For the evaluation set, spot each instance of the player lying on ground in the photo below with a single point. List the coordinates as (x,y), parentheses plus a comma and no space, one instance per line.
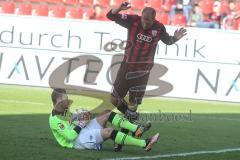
(91,135)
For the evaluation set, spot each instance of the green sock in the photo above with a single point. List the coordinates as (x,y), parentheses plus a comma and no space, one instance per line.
(121,122)
(125,139)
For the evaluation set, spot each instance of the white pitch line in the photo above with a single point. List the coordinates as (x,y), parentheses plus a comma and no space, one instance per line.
(22,102)
(178,154)
(43,104)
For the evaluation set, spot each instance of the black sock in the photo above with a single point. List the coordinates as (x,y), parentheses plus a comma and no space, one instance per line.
(122,105)
(111,116)
(113,134)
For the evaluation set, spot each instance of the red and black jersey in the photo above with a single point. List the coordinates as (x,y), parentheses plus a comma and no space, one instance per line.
(143,43)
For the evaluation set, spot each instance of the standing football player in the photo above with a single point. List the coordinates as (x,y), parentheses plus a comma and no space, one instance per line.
(144,32)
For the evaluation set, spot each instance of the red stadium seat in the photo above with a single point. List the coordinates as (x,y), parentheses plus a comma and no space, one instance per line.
(235,24)
(157,4)
(238,24)
(179,20)
(86,2)
(163,18)
(41,10)
(88,14)
(237,7)
(70,2)
(76,13)
(102,16)
(58,11)
(167,5)
(8,7)
(103,3)
(37,1)
(54,1)
(116,3)
(232,24)
(137,4)
(174,2)
(224,7)
(207,6)
(24,9)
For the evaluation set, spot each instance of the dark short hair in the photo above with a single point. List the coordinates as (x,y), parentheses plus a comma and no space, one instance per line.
(150,9)
(57,92)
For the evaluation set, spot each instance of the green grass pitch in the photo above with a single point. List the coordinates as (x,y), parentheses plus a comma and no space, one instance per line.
(211,126)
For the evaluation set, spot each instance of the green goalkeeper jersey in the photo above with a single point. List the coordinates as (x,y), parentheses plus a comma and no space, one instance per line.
(64,132)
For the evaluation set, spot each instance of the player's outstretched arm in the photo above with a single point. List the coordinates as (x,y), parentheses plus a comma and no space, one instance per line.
(167,39)
(179,33)
(123,6)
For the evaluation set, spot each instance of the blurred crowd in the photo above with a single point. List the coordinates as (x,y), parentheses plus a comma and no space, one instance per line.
(218,14)
(222,14)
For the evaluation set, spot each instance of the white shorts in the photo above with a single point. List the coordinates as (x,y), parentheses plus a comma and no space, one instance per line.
(90,136)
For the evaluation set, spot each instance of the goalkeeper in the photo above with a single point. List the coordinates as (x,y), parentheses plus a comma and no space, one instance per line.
(73,130)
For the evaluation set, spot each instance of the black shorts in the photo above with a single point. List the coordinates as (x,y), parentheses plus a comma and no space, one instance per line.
(132,79)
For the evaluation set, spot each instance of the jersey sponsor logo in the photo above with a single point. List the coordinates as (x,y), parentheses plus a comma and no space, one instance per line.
(154,33)
(61,126)
(124,16)
(143,37)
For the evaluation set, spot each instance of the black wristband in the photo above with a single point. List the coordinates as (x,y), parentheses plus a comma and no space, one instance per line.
(77,129)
